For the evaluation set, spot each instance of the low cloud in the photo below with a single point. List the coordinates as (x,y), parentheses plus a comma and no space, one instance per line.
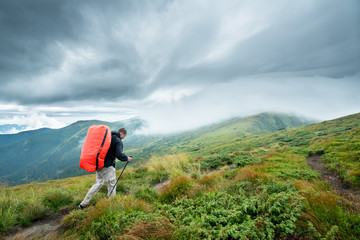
(318,98)
(30,121)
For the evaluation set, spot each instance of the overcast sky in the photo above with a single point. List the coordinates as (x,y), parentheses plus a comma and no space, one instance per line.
(178,64)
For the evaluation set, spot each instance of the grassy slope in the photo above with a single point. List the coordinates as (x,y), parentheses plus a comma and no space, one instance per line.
(207,139)
(271,194)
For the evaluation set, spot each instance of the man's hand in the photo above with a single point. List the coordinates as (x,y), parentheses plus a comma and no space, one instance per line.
(129,158)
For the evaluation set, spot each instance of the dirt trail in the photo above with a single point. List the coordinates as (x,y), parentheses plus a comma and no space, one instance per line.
(343,189)
(47,228)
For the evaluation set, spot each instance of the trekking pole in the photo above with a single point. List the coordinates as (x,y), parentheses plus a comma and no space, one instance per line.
(118,178)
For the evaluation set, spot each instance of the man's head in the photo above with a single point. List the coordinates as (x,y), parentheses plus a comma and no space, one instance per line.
(122,132)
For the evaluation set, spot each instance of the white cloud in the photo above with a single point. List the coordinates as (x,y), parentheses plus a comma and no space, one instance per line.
(31,121)
(170,95)
(36,117)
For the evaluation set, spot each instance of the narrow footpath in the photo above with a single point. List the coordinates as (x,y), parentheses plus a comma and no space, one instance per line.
(343,189)
(48,227)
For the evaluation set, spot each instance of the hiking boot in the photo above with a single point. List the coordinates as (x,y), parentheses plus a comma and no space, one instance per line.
(80,207)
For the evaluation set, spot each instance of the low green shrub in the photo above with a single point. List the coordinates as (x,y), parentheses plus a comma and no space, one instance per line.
(243,159)
(179,187)
(231,174)
(147,194)
(214,162)
(220,215)
(273,187)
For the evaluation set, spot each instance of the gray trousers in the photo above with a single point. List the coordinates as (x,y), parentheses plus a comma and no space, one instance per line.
(105,174)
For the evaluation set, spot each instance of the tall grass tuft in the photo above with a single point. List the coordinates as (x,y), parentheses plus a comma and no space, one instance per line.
(158,228)
(324,209)
(169,166)
(147,194)
(8,213)
(14,212)
(56,199)
(32,212)
(251,173)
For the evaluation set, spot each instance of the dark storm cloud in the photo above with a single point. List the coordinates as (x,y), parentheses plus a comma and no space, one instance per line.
(77,50)
(311,38)
(29,30)
(44,48)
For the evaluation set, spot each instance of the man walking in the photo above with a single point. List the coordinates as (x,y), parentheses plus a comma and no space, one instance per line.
(107,173)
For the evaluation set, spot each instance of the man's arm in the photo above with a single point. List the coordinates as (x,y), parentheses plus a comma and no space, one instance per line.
(119,153)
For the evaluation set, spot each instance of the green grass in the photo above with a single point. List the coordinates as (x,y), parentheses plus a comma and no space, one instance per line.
(23,204)
(270,194)
(56,199)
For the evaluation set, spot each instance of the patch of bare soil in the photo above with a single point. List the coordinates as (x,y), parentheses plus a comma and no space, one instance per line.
(47,228)
(161,185)
(343,189)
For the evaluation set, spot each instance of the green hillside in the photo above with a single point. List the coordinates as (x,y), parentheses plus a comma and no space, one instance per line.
(54,153)
(246,186)
(208,139)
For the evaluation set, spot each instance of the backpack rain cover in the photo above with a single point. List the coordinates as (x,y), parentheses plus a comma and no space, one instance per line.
(95,148)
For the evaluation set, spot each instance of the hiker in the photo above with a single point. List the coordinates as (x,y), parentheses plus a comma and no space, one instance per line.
(107,173)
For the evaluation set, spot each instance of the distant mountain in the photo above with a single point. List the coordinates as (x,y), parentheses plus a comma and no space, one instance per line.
(6,139)
(6,128)
(48,153)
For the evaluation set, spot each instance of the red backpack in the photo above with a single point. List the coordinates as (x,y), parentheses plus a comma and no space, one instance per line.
(95,148)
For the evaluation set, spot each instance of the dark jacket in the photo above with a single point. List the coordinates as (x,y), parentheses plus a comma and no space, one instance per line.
(115,150)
